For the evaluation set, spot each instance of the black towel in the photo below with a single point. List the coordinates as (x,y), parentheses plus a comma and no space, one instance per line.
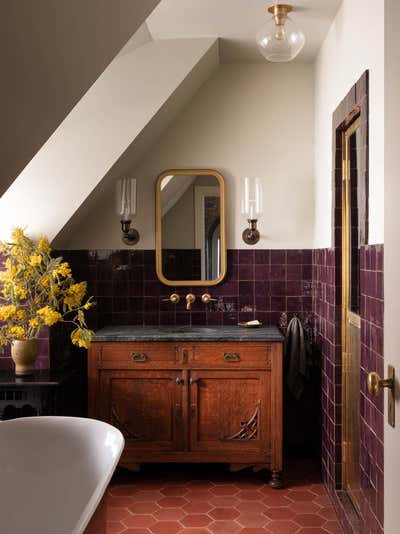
(296,358)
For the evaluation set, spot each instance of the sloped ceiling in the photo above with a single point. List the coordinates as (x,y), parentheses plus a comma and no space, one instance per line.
(118,109)
(51,52)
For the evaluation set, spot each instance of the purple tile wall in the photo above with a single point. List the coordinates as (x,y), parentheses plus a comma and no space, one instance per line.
(270,285)
(327,317)
(43,351)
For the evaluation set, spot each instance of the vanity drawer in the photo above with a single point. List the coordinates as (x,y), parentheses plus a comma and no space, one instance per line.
(139,354)
(231,355)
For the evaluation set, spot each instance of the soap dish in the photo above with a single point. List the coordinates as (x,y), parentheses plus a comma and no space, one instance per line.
(250,324)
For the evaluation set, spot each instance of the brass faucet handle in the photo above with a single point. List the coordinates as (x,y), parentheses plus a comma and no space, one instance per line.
(190,299)
(206,298)
(375,383)
(174,298)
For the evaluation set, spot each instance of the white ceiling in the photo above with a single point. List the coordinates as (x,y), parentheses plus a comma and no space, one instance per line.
(236,22)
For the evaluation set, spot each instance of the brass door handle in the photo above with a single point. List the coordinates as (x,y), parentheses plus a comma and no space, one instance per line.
(179,381)
(376,383)
(194,381)
(139,357)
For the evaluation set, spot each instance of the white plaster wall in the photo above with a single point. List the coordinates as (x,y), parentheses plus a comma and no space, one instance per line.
(392,254)
(355,42)
(115,110)
(247,120)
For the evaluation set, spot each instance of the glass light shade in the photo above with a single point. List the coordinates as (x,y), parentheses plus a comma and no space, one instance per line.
(252,198)
(126,198)
(279,43)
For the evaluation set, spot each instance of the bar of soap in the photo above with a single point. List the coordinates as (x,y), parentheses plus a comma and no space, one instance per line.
(256,322)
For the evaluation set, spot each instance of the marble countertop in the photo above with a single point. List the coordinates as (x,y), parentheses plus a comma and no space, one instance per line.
(188,333)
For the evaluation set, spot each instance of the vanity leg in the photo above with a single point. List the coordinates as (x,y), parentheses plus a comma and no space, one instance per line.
(276,481)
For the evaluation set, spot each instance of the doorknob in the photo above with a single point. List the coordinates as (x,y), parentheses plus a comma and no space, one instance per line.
(375,385)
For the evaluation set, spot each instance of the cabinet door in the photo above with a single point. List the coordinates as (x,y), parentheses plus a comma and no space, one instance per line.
(230,411)
(146,406)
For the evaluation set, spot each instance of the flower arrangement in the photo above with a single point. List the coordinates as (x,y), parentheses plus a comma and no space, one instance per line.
(38,290)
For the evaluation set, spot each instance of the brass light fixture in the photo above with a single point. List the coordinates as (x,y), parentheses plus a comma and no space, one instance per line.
(126,209)
(252,206)
(280,40)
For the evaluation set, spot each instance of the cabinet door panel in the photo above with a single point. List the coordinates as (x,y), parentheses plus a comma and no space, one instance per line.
(145,405)
(230,411)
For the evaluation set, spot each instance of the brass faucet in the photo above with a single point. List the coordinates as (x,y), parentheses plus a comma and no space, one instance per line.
(174,298)
(206,298)
(190,299)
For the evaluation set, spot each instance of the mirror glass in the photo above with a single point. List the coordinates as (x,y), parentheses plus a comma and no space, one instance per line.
(190,224)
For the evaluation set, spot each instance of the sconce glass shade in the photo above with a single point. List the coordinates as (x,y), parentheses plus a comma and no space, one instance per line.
(280,42)
(126,198)
(252,198)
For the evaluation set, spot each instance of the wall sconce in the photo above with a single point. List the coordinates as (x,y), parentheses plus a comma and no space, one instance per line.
(252,205)
(126,209)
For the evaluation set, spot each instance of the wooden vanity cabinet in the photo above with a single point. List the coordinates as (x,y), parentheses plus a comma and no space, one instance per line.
(191,402)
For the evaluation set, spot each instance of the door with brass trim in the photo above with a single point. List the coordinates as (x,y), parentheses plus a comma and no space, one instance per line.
(351,326)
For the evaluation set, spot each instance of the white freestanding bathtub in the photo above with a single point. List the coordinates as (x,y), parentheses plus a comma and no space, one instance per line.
(53,472)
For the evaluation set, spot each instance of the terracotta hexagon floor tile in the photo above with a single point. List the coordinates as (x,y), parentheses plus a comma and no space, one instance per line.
(277,499)
(118,501)
(197,507)
(198,495)
(250,519)
(196,520)
(136,531)
(224,527)
(323,500)
(124,490)
(224,490)
(114,528)
(147,495)
(312,530)
(249,495)
(139,521)
(298,495)
(166,527)
(255,530)
(145,507)
(327,512)
(283,527)
(310,520)
(174,491)
(333,527)
(279,513)
(196,531)
(224,502)
(117,514)
(172,502)
(200,484)
(305,507)
(224,513)
(251,506)
(169,514)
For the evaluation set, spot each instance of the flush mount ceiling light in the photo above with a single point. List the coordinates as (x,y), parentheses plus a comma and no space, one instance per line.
(280,39)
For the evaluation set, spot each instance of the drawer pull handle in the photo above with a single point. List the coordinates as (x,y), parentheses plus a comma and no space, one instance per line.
(185,356)
(139,357)
(232,357)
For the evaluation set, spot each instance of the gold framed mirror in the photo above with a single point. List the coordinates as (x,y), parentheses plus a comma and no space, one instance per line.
(190,227)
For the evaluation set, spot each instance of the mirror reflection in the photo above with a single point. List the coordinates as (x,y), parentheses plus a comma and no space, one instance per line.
(191,226)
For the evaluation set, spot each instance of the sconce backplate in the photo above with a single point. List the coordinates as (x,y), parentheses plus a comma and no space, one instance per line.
(131,237)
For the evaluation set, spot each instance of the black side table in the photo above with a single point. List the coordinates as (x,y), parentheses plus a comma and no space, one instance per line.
(43,393)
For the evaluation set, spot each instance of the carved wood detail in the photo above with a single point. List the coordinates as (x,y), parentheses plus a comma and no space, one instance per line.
(249,429)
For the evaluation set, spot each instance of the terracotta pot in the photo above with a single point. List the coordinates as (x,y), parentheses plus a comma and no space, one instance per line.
(24,353)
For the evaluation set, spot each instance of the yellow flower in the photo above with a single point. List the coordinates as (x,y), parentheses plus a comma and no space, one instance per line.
(88,305)
(17,332)
(45,281)
(34,323)
(20,292)
(74,295)
(82,337)
(35,260)
(44,245)
(20,315)
(49,315)
(6,312)
(18,236)
(62,270)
